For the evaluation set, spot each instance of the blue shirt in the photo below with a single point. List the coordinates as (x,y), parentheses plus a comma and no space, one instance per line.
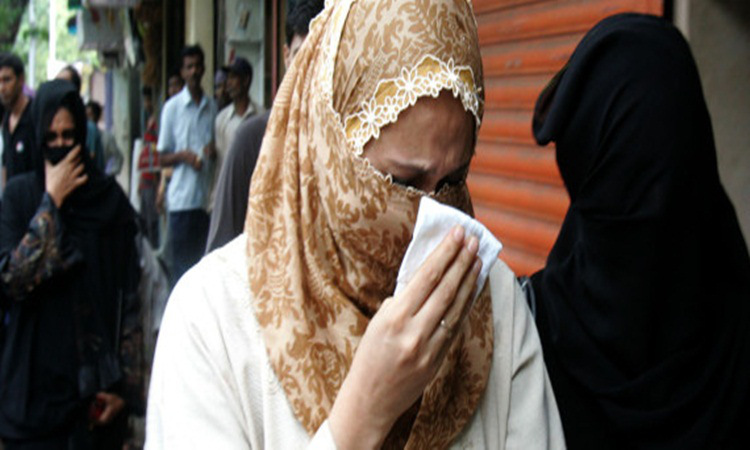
(186,125)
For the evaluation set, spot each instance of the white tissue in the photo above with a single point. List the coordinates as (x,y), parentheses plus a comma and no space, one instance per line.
(434,222)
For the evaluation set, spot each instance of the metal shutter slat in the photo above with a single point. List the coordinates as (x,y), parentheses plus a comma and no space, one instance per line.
(521,195)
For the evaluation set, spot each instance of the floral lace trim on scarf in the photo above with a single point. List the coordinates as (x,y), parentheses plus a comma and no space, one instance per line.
(428,78)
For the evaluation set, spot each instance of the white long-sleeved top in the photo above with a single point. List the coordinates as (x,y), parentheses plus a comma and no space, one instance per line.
(212,385)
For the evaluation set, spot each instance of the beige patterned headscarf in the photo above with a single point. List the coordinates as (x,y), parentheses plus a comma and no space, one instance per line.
(327,232)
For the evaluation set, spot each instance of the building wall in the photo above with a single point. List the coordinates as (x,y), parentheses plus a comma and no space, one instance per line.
(199,29)
(126,116)
(719,35)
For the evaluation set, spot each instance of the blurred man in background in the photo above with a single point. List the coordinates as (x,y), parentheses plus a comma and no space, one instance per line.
(239,78)
(186,141)
(112,155)
(220,89)
(17,124)
(230,203)
(93,136)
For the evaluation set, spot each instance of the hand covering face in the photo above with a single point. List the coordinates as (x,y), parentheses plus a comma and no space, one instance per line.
(327,232)
(643,304)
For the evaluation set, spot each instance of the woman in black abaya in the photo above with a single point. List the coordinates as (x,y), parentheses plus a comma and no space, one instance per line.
(70,358)
(643,305)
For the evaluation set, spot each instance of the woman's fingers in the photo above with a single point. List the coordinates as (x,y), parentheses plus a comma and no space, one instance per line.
(66,176)
(444,295)
(77,169)
(460,307)
(81,180)
(447,326)
(73,154)
(430,273)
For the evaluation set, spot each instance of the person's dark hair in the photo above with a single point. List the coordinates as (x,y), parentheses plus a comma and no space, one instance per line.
(96,109)
(75,77)
(13,62)
(176,75)
(299,17)
(191,50)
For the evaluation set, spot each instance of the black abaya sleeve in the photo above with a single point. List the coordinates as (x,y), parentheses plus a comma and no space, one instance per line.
(32,251)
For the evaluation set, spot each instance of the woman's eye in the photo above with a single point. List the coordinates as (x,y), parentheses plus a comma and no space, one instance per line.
(442,183)
(51,136)
(408,182)
(452,180)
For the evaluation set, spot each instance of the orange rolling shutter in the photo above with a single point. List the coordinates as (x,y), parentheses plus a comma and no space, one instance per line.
(515,184)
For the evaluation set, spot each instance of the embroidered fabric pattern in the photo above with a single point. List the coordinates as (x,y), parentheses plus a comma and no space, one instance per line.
(428,78)
(38,256)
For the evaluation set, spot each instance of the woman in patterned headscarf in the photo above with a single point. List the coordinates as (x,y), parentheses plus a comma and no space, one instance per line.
(289,333)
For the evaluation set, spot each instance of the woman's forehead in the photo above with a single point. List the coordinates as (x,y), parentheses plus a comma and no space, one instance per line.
(62,117)
(429,117)
(432,128)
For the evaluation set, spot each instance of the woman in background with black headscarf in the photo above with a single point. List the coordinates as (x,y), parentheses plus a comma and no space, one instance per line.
(643,305)
(71,355)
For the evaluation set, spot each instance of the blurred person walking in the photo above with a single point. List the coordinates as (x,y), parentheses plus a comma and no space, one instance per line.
(233,181)
(112,156)
(174,86)
(72,368)
(17,124)
(149,168)
(93,137)
(186,141)
(239,78)
(221,96)
(175,83)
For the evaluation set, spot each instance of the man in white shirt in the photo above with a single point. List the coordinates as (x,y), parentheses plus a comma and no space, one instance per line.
(239,78)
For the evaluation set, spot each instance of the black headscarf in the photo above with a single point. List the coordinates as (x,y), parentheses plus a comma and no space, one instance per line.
(643,304)
(86,202)
(62,342)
